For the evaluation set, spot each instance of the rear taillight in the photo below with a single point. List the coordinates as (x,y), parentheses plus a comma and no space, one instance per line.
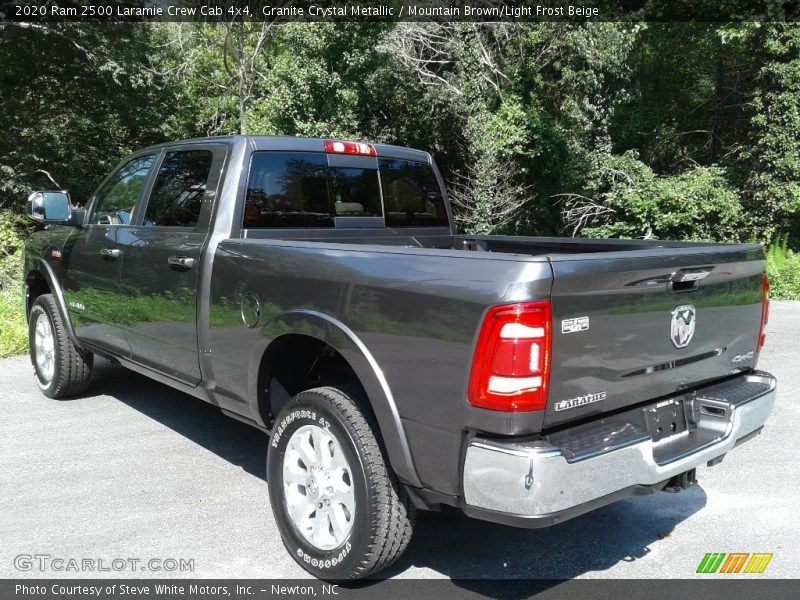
(762,333)
(357,148)
(511,365)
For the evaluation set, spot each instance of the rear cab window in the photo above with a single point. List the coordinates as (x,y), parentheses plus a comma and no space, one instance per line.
(288,189)
(318,190)
(411,194)
(355,191)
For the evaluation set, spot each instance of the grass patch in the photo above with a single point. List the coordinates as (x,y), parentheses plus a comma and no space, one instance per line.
(783,270)
(13,329)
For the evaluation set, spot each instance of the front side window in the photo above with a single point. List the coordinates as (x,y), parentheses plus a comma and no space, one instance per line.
(116,199)
(411,194)
(177,196)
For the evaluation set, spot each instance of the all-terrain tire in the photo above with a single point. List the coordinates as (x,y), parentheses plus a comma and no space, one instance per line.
(71,371)
(383,519)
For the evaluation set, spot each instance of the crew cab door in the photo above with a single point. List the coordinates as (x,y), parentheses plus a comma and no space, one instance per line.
(162,250)
(92,259)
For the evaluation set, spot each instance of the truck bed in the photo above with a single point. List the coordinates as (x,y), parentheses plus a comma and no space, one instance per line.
(527,246)
(624,293)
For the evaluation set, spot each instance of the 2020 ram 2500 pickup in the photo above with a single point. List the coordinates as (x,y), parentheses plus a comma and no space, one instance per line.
(318,290)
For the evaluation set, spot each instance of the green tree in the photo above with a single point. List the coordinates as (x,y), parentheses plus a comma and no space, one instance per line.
(774,153)
(626,198)
(76,98)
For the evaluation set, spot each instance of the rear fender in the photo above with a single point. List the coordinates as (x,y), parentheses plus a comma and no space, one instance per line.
(345,341)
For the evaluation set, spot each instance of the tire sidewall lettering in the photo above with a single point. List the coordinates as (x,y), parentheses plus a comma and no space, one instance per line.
(328,562)
(323,561)
(298,413)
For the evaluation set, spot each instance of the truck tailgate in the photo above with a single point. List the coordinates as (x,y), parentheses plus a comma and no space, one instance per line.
(633,326)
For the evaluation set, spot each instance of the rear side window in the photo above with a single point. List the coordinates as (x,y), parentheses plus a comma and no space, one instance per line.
(411,194)
(118,196)
(177,196)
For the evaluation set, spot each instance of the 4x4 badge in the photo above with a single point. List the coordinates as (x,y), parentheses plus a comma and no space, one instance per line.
(682,326)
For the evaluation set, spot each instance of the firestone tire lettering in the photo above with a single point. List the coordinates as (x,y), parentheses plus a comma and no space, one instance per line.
(382,518)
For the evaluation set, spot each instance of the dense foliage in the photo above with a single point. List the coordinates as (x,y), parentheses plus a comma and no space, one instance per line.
(685,130)
(783,270)
(660,130)
(13,333)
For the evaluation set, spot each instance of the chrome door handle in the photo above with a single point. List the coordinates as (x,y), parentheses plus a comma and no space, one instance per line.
(112,253)
(181,262)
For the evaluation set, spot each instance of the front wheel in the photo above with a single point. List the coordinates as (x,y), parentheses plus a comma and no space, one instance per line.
(341,511)
(60,369)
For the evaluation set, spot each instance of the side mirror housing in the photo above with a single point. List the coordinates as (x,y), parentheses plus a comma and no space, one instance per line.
(49,207)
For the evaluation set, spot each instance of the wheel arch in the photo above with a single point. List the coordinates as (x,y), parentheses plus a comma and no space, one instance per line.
(306,344)
(43,280)
(36,284)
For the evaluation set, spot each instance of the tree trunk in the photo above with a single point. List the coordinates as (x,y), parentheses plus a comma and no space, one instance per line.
(242,86)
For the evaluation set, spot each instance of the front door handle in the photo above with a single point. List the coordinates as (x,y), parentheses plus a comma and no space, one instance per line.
(181,262)
(112,253)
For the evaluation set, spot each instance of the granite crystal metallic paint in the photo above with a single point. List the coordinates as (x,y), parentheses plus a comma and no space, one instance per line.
(206,309)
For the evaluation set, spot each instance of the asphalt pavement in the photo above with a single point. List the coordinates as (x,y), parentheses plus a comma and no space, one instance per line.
(133,472)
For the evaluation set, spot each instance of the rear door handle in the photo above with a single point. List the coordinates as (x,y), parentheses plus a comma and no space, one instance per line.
(112,253)
(181,262)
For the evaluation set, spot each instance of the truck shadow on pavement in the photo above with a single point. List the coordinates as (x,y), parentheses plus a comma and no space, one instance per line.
(236,442)
(465,549)
(473,553)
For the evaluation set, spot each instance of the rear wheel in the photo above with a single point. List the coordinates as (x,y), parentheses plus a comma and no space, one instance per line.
(341,511)
(61,370)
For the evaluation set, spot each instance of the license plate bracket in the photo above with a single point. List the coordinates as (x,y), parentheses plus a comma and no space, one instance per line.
(666,419)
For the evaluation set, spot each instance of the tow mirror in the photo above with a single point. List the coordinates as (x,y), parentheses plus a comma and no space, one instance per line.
(52,207)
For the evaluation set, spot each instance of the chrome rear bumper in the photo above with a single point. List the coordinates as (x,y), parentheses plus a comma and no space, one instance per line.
(553,478)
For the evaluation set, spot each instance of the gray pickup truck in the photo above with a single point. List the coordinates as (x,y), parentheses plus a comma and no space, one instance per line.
(318,290)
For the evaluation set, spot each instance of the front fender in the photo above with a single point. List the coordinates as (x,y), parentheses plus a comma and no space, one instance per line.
(345,341)
(58,295)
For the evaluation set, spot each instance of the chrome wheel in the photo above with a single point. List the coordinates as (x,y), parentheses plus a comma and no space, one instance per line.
(318,487)
(44,344)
